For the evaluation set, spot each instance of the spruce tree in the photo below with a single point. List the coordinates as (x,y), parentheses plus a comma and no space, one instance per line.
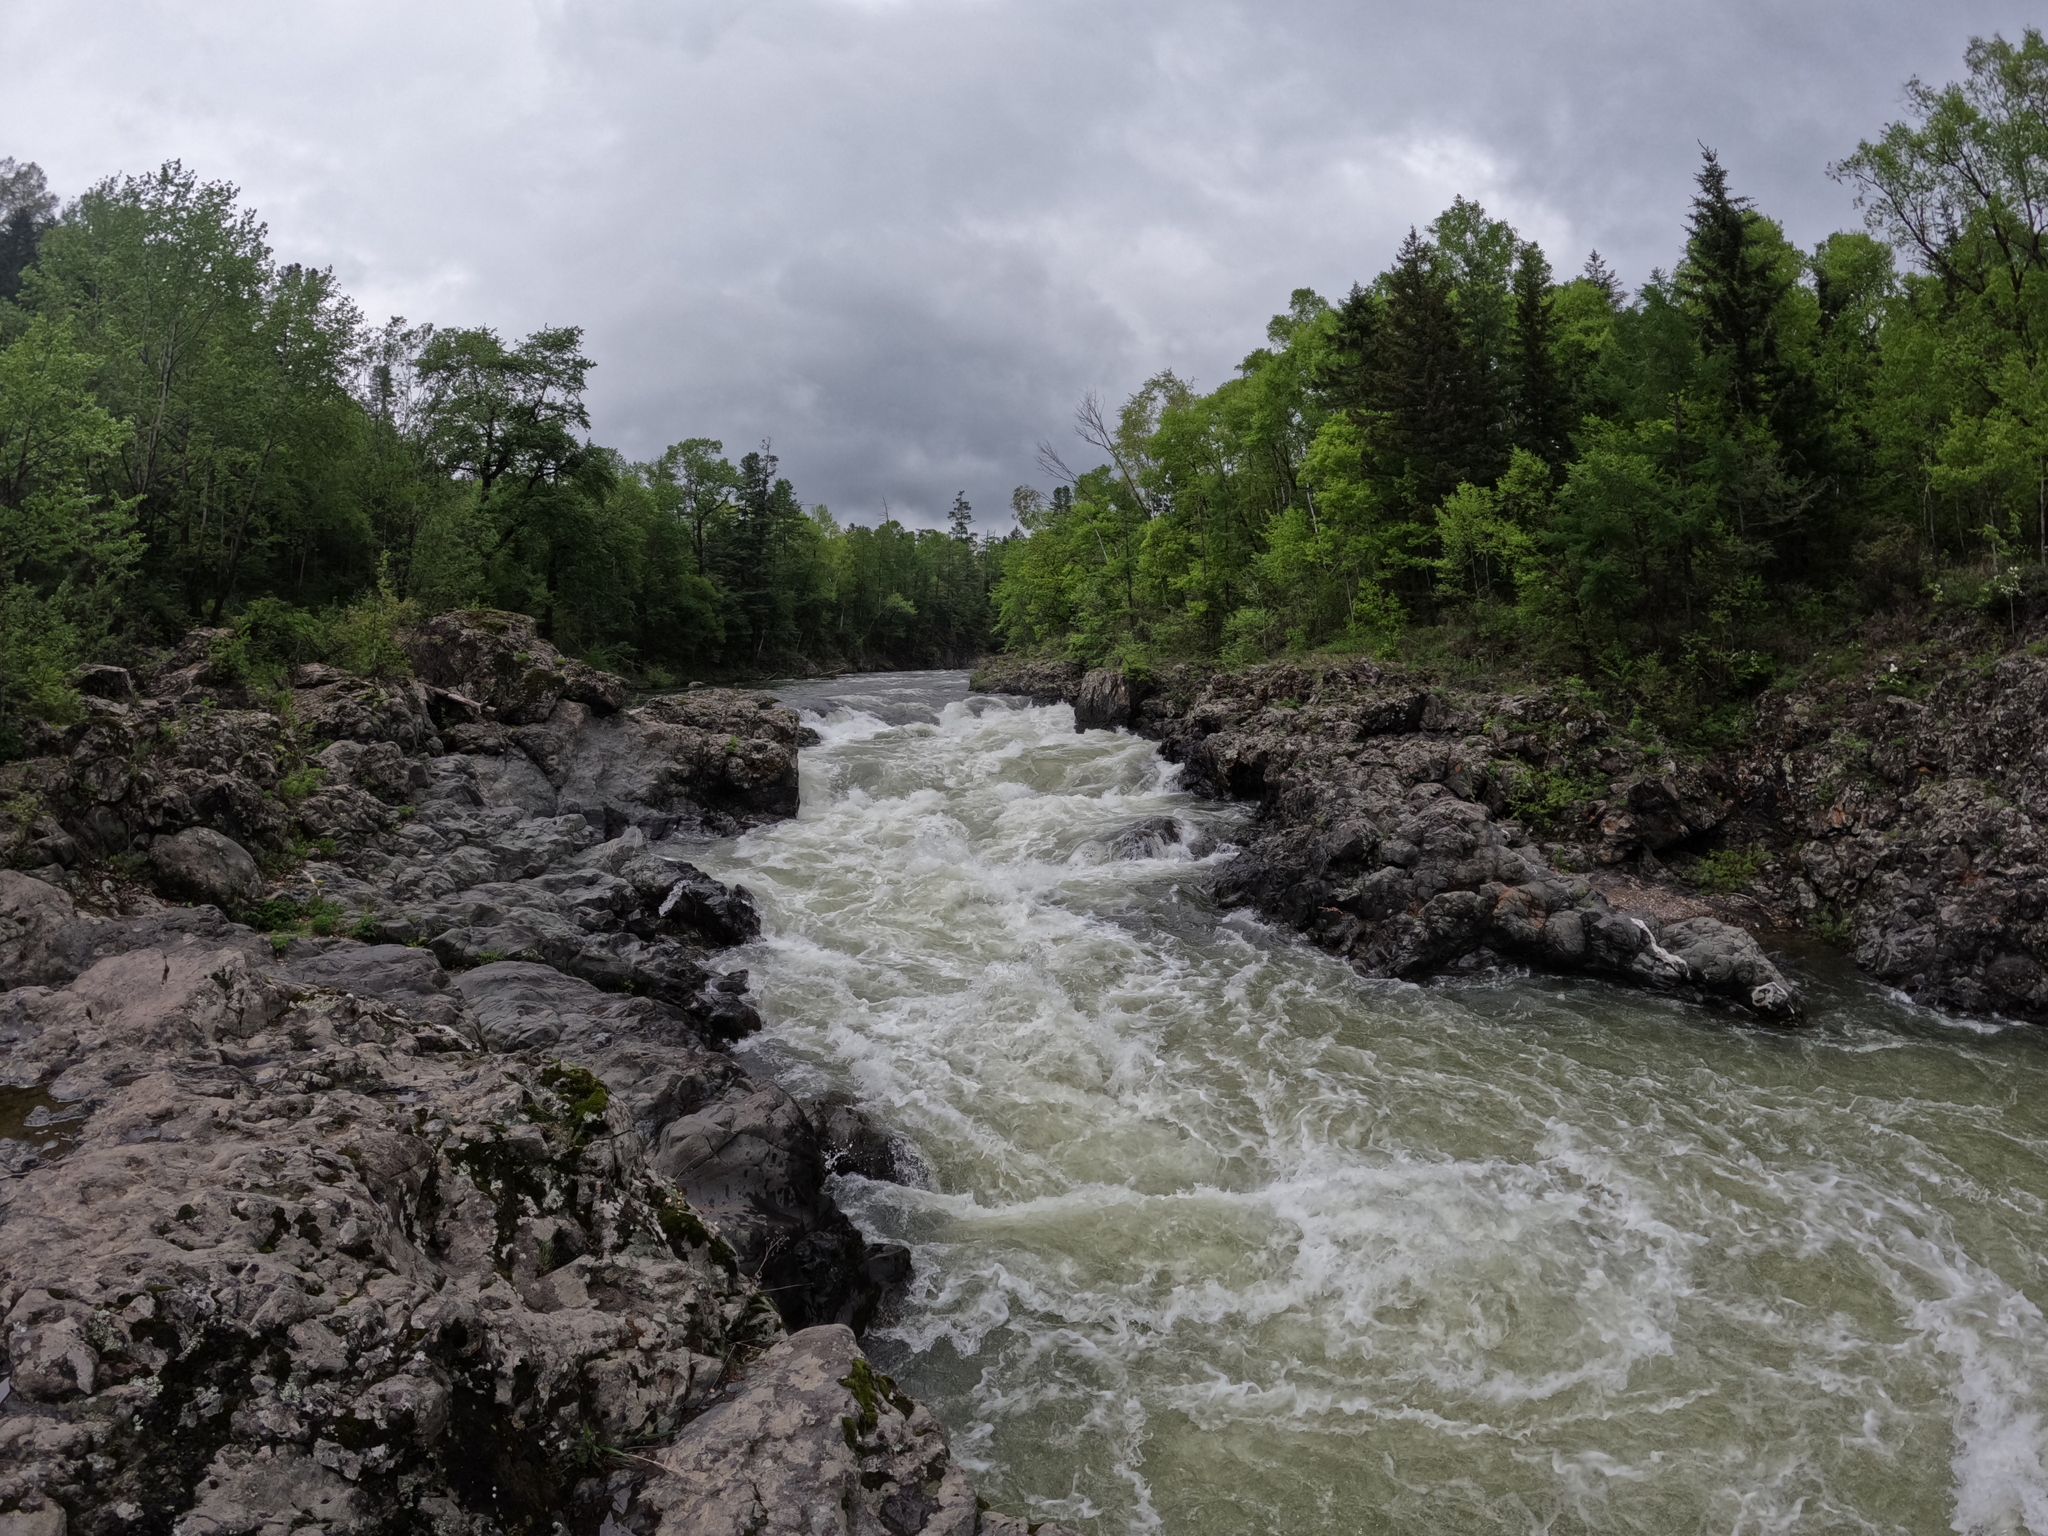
(1341,377)
(1539,401)
(1437,408)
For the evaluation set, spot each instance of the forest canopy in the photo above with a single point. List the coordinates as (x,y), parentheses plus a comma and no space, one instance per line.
(192,432)
(1474,460)
(1471,459)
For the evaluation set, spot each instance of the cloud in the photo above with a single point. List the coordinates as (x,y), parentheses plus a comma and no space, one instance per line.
(901,237)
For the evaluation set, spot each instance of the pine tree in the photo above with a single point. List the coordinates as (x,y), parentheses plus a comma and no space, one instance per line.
(1341,377)
(1601,276)
(963,515)
(1539,401)
(1438,410)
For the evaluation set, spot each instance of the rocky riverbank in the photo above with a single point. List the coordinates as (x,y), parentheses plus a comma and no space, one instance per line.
(370,1158)
(1895,808)
(1385,827)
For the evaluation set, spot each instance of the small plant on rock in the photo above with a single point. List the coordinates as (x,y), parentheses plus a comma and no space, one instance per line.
(1729,869)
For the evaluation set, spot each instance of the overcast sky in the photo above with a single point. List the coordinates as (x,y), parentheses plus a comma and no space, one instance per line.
(901,238)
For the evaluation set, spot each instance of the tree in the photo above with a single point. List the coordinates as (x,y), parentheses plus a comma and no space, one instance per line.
(65,549)
(1539,403)
(963,516)
(1429,410)
(27,210)
(1965,188)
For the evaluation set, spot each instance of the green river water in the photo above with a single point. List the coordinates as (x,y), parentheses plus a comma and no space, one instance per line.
(1220,1237)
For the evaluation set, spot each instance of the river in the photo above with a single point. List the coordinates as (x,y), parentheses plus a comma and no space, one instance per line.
(1220,1237)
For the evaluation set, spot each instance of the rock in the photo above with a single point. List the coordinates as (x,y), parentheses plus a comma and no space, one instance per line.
(200,864)
(814,1434)
(1044,680)
(1393,856)
(103,682)
(722,914)
(372,1233)
(498,661)
(855,1145)
(1107,700)
(1150,838)
(755,1166)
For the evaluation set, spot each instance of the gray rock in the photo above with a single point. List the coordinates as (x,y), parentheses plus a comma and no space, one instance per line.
(754,1164)
(1395,857)
(815,1440)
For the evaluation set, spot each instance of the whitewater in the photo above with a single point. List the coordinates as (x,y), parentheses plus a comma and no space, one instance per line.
(1214,1235)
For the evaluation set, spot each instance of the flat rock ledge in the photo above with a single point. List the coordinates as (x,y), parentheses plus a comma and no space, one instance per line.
(1375,837)
(452,1214)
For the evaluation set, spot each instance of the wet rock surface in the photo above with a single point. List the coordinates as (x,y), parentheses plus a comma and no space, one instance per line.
(816,1440)
(1384,829)
(440,1207)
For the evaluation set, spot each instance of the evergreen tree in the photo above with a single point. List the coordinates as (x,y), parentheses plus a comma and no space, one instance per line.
(27,209)
(1340,376)
(1539,401)
(1437,408)
(1601,276)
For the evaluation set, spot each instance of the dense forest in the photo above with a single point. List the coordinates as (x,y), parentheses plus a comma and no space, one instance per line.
(192,432)
(1671,494)
(1470,460)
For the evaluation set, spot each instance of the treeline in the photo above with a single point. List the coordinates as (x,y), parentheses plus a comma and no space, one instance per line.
(192,432)
(1671,493)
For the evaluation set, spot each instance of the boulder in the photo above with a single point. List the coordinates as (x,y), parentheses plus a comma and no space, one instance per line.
(115,684)
(200,864)
(1108,699)
(498,661)
(815,1440)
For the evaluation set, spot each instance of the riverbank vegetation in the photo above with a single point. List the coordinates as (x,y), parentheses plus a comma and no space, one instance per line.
(1675,494)
(1470,461)
(193,432)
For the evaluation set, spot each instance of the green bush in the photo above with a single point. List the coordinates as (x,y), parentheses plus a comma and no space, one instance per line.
(1729,869)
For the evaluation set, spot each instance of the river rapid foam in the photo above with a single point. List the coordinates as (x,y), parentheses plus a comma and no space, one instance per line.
(1218,1236)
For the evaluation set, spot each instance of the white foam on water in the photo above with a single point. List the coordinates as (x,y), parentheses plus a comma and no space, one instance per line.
(1224,1238)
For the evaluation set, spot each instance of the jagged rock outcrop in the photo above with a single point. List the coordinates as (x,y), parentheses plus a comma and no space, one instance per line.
(1905,809)
(438,1207)
(499,661)
(815,1440)
(1380,831)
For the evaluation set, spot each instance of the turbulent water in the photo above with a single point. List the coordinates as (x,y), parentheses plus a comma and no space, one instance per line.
(1220,1237)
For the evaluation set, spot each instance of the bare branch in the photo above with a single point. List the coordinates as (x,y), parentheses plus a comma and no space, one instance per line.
(1050,461)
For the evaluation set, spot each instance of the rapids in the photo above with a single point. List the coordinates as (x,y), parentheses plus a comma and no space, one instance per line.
(1218,1236)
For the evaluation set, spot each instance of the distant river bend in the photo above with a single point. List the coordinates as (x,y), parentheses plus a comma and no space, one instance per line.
(1221,1238)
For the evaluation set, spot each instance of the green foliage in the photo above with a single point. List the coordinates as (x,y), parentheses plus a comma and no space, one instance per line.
(1541,796)
(194,432)
(1729,869)
(1679,493)
(300,782)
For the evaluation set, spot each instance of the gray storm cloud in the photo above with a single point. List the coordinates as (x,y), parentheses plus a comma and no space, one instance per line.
(901,237)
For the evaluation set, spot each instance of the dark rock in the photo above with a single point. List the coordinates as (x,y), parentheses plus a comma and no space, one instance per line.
(1150,838)
(855,1145)
(199,864)
(1108,699)
(499,661)
(103,682)
(722,914)
(754,1165)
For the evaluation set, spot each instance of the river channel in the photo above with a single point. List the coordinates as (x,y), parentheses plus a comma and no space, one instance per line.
(1219,1237)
